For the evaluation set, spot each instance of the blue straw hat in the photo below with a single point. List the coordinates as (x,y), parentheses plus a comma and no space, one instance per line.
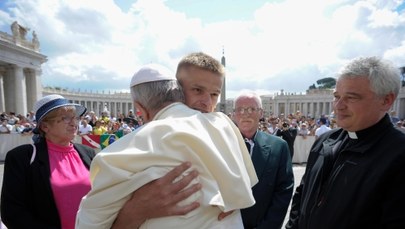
(51,102)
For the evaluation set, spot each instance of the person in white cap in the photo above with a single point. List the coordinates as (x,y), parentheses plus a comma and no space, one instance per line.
(173,133)
(43,183)
(201,77)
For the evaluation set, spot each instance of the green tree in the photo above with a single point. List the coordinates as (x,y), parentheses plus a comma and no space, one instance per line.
(324,83)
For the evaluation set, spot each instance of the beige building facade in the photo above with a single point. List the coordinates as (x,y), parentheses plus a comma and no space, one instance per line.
(113,103)
(20,70)
(314,103)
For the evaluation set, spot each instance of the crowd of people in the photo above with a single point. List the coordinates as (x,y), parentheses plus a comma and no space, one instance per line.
(18,124)
(104,123)
(90,123)
(109,124)
(306,125)
(194,168)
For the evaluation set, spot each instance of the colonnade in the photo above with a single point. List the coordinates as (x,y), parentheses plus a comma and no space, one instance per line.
(114,103)
(313,104)
(20,71)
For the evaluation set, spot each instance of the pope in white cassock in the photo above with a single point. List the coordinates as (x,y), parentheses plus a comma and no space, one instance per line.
(175,134)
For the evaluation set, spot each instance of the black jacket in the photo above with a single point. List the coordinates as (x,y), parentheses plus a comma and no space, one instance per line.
(289,136)
(26,199)
(359,185)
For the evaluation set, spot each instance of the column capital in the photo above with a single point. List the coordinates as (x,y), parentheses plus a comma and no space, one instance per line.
(32,71)
(3,70)
(13,66)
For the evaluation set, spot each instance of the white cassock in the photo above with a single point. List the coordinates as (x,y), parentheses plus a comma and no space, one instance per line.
(211,142)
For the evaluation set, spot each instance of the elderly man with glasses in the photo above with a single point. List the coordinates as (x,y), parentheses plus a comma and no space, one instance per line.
(272,162)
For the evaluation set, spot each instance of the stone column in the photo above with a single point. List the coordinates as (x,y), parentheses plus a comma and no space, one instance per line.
(2,94)
(100,108)
(94,106)
(8,82)
(130,106)
(401,107)
(115,109)
(307,108)
(330,105)
(316,110)
(321,107)
(20,93)
(88,106)
(34,87)
(111,108)
(15,90)
(123,108)
(119,105)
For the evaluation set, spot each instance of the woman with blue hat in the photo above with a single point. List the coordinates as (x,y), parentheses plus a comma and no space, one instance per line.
(44,183)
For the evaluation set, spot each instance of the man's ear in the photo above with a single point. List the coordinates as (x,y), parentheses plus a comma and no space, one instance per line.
(144,113)
(388,101)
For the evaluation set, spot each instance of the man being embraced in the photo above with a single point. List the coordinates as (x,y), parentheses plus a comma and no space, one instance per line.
(173,134)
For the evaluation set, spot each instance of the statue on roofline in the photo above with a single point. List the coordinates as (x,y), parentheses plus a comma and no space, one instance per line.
(19,31)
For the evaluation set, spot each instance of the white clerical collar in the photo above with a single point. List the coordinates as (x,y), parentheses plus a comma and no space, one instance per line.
(352,135)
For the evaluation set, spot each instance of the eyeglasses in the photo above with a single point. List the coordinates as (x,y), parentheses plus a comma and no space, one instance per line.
(249,110)
(68,120)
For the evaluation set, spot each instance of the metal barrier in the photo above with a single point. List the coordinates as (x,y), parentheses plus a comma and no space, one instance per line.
(10,141)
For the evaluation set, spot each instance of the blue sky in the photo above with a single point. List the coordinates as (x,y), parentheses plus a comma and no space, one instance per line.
(269,45)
